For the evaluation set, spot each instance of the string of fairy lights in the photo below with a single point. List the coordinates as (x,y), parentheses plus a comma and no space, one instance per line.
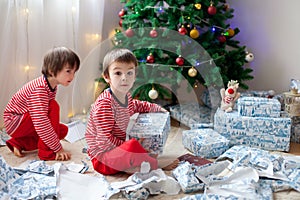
(161,9)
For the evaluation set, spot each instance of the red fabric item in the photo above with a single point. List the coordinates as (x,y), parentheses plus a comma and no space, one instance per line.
(25,137)
(33,98)
(128,155)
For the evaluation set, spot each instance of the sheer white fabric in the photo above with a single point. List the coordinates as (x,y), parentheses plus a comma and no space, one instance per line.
(30,27)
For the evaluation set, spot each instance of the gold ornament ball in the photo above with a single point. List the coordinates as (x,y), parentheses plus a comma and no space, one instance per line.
(192,72)
(153,94)
(230,32)
(198,6)
(194,33)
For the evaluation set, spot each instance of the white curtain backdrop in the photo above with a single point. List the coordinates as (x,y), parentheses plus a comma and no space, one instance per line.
(30,27)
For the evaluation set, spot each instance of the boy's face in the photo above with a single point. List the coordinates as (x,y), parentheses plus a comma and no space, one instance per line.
(66,75)
(121,77)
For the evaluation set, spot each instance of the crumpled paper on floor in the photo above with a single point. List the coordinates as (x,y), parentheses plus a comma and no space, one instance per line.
(220,178)
(144,183)
(185,175)
(71,185)
(221,181)
(284,170)
(31,185)
(3,137)
(35,179)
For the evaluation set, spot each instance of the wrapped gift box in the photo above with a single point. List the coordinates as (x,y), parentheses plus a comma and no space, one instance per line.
(191,114)
(263,132)
(258,107)
(206,142)
(154,128)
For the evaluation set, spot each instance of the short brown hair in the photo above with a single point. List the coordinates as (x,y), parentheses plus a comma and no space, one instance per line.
(56,58)
(118,55)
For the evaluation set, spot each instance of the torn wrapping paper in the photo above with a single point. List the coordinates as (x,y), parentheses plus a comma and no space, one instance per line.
(273,166)
(221,181)
(3,137)
(79,168)
(262,132)
(142,184)
(258,107)
(71,185)
(205,142)
(154,128)
(7,177)
(35,166)
(220,178)
(210,197)
(31,185)
(185,175)
(263,190)
(37,180)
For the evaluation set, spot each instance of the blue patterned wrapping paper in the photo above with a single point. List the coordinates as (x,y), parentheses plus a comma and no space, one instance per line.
(185,175)
(205,142)
(154,128)
(31,185)
(283,171)
(258,107)
(7,177)
(263,132)
(192,114)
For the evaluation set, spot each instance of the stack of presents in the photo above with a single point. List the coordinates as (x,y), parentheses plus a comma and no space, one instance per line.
(257,120)
(238,145)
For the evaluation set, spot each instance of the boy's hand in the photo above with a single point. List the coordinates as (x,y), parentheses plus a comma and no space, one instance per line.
(163,110)
(63,155)
(141,140)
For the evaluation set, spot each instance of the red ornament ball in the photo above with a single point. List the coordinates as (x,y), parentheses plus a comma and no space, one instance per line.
(121,22)
(180,61)
(182,30)
(122,13)
(150,58)
(153,33)
(212,10)
(129,32)
(222,38)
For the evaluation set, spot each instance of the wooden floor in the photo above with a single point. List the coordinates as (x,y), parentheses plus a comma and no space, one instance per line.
(295,149)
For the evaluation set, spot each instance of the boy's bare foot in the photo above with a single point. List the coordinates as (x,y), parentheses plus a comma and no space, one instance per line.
(171,166)
(17,152)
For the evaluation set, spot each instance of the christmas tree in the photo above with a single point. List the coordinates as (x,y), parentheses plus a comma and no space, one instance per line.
(181,39)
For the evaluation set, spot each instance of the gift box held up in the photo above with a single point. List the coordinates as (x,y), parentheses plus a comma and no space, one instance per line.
(154,128)
(262,132)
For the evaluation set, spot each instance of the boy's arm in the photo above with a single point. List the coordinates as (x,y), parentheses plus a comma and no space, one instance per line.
(145,106)
(104,122)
